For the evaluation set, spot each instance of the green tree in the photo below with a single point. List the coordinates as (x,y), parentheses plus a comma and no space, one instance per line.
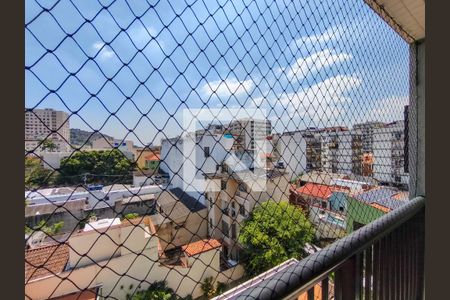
(102,166)
(35,174)
(48,145)
(47,229)
(156,291)
(273,233)
(207,287)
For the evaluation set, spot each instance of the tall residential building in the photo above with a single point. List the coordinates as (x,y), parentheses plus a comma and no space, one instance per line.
(365,131)
(250,134)
(47,124)
(389,154)
(322,148)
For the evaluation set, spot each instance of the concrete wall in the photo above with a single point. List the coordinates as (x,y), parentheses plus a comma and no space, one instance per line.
(417,121)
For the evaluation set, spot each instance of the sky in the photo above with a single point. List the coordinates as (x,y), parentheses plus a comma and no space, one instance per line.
(130,68)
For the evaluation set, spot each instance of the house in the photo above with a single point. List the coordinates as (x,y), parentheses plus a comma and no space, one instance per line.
(95,259)
(367,206)
(325,206)
(147,158)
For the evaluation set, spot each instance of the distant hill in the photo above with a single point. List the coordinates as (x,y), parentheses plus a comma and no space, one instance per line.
(79,137)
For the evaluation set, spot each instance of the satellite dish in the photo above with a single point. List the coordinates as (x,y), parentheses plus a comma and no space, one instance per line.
(36,239)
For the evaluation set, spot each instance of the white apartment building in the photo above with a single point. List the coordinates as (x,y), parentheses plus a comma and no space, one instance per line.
(47,124)
(291,148)
(336,156)
(249,134)
(389,154)
(126,146)
(187,158)
(366,131)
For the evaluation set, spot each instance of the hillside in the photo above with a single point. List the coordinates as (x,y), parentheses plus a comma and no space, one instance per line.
(79,137)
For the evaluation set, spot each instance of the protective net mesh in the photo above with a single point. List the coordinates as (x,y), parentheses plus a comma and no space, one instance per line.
(175,149)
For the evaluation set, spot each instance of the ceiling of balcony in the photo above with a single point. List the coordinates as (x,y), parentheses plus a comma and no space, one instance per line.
(407,17)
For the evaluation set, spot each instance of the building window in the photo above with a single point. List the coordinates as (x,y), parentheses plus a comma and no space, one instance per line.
(242,210)
(225,229)
(206,151)
(324,204)
(223,184)
(233,209)
(210,223)
(233,231)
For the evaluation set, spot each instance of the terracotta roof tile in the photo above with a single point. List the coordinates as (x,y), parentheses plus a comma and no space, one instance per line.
(153,156)
(200,247)
(320,190)
(45,261)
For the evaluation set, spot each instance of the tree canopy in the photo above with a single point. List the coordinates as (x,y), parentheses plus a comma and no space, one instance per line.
(273,233)
(156,291)
(101,166)
(35,174)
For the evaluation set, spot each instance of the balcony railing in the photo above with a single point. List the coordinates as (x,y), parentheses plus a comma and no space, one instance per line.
(382,260)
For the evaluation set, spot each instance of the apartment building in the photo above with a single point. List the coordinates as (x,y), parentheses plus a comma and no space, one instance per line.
(249,134)
(47,124)
(366,131)
(186,158)
(233,193)
(337,151)
(290,149)
(389,154)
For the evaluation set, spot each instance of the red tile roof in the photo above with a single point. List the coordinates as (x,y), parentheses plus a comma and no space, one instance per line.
(90,294)
(45,261)
(200,247)
(320,190)
(153,156)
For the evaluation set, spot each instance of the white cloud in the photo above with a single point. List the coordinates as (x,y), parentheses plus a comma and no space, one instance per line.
(330,34)
(304,67)
(105,53)
(387,109)
(323,101)
(228,87)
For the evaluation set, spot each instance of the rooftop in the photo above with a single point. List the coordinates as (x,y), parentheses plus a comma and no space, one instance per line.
(153,156)
(90,294)
(200,246)
(320,190)
(45,261)
(387,197)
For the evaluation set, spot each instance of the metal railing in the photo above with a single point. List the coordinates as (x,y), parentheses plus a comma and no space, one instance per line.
(382,260)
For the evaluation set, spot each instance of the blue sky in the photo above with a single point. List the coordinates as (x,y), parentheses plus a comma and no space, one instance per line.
(129,68)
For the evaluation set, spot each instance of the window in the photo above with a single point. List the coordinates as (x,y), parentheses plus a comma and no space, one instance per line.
(233,209)
(233,231)
(242,210)
(341,208)
(223,185)
(225,229)
(206,151)
(210,223)
(324,204)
